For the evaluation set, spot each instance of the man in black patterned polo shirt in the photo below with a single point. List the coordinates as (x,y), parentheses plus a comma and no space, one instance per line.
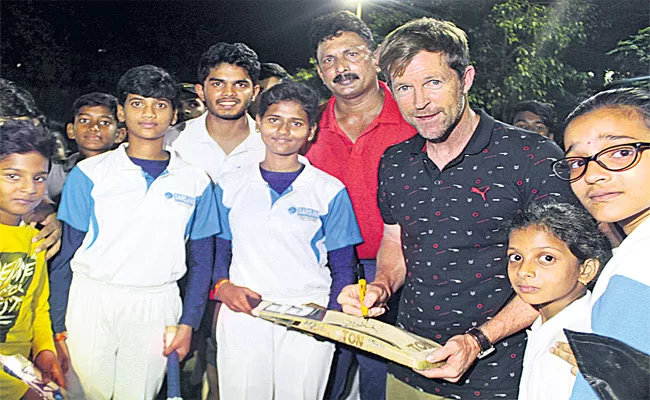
(444,196)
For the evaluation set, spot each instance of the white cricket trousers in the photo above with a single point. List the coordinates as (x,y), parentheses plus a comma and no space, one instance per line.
(258,360)
(116,338)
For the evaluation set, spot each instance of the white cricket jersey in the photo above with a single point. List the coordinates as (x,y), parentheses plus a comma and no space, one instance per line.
(280,242)
(136,227)
(195,146)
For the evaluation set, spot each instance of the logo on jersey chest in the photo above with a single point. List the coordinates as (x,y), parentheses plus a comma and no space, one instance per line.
(304,213)
(181,198)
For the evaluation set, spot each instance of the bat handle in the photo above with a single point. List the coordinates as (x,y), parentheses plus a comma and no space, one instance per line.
(173,367)
(173,377)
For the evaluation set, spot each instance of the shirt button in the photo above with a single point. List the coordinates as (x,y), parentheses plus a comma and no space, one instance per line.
(437,182)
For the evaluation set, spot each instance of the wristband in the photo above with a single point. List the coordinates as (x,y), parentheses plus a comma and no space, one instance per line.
(213,292)
(483,342)
(61,336)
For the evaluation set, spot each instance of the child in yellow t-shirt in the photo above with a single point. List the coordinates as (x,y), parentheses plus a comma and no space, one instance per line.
(25,326)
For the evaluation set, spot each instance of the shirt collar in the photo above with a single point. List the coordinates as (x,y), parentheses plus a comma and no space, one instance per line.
(124,162)
(389,114)
(257,174)
(479,141)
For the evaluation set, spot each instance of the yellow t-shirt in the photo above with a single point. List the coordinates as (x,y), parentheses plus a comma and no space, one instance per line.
(25,325)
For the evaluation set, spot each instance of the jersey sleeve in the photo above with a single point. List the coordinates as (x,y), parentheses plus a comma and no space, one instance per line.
(200,258)
(342,262)
(225,232)
(205,218)
(76,208)
(61,275)
(340,223)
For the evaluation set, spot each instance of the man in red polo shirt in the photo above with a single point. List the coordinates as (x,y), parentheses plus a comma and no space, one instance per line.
(359,123)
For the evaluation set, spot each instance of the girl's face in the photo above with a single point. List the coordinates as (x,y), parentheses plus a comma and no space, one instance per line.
(544,272)
(611,196)
(285,128)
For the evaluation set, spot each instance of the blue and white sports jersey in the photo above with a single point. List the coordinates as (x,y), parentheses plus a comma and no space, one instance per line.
(621,299)
(136,226)
(280,242)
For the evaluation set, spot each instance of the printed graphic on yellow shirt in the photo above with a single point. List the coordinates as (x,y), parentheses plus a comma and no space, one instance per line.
(16,273)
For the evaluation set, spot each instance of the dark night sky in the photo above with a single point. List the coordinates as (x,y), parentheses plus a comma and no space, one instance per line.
(104,38)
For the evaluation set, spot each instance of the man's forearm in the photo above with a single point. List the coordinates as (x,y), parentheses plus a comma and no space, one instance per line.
(391,267)
(515,316)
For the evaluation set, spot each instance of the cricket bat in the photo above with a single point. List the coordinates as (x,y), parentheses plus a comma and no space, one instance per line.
(367,334)
(173,368)
(21,368)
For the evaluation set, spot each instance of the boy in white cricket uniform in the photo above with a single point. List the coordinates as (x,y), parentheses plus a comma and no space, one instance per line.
(127,216)
(285,221)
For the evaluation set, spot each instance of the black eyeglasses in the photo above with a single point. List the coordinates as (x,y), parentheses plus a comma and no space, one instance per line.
(615,158)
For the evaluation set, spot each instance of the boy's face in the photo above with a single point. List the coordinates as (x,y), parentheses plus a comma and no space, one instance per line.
(22,185)
(531,122)
(544,272)
(146,118)
(227,91)
(94,130)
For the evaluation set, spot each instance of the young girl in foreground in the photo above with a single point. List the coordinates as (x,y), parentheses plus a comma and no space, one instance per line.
(609,169)
(554,252)
(285,222)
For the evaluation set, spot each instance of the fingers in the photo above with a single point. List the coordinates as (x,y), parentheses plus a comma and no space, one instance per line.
(374,300)
(459,353)
(62,355)
(58,375)
(30,219)
(563,350)
(181,343)
(439,355)
(46,376)
(349,296)
(446,372)
(53,250)
(51,235)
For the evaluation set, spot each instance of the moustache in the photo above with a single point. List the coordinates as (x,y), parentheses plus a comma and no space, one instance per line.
(348,76)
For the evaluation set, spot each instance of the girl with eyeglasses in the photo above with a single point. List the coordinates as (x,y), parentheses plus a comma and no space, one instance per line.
(612,129)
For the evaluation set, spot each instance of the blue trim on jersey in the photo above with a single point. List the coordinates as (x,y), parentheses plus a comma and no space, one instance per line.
(318,237)
(339,226)
(204,221)
(619,312)
(223,213)
(274,195)
(148,178)
(340,223)
(77,207)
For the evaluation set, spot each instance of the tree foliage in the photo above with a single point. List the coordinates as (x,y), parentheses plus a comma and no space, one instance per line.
(519,52)
(633,55)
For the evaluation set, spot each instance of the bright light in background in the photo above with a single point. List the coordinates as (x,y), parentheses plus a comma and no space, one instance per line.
(358,3)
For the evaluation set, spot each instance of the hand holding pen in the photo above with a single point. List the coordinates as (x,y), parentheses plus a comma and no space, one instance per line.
(362,289)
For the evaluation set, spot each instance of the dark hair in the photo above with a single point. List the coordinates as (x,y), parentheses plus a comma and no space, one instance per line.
(21,137)
(17,102)
(237,54)
(569,223)
(424,34)
(292,91)
(636,98)
(148,81)
(334,24)
(269,70)
(544,110)
(95,99)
